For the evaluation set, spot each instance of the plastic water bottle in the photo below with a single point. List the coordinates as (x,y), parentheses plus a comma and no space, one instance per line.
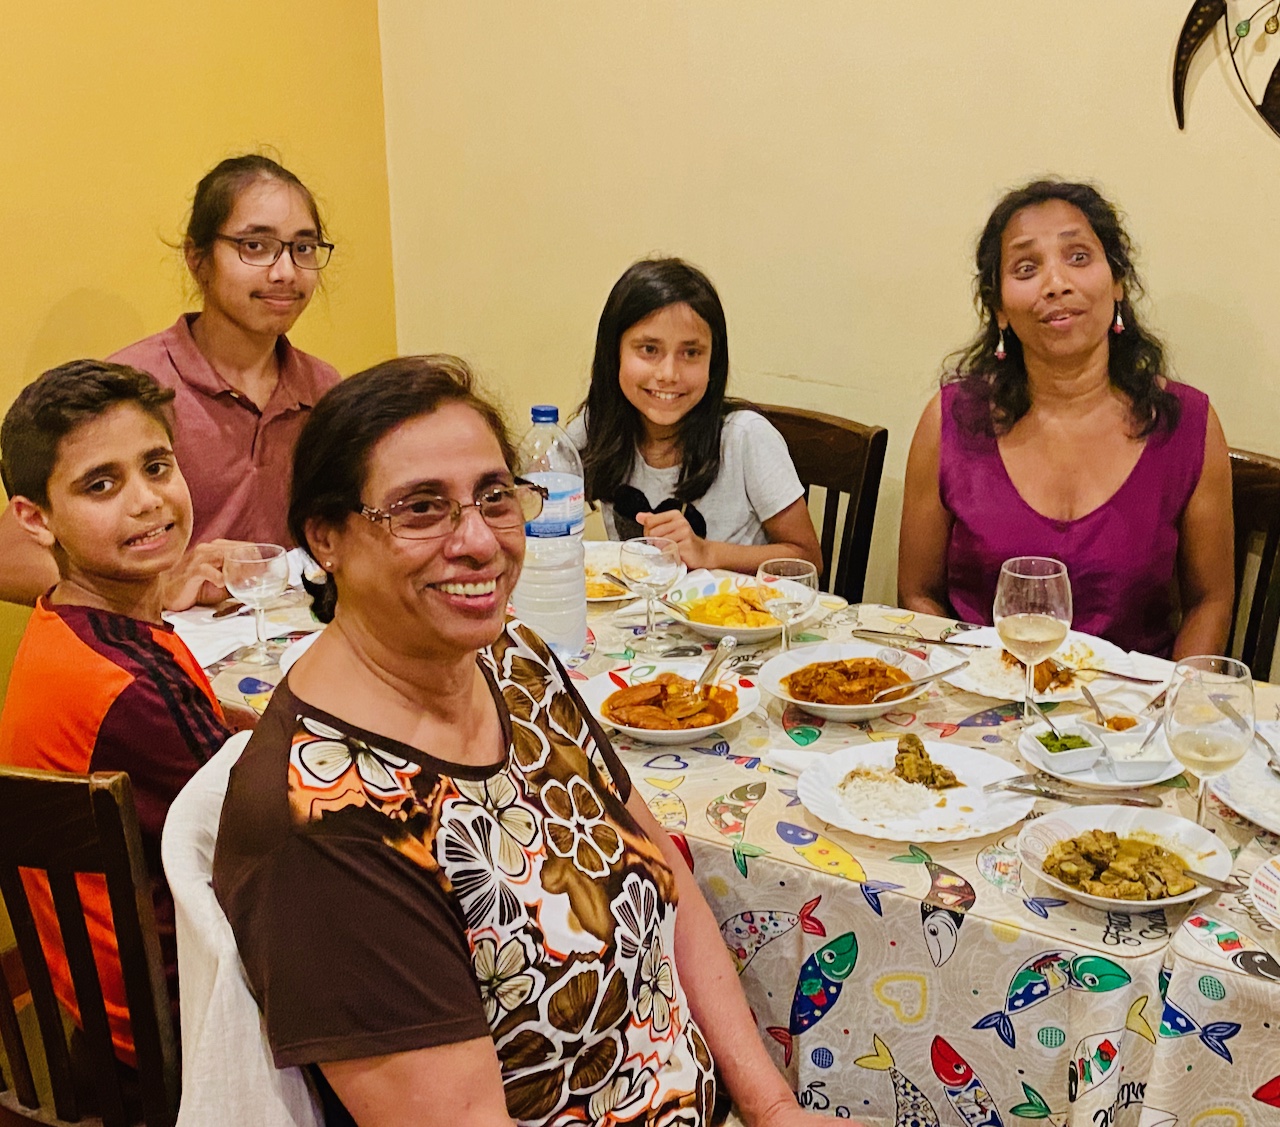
(552,593)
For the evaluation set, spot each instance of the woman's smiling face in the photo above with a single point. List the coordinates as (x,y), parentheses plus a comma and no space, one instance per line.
(1057,292)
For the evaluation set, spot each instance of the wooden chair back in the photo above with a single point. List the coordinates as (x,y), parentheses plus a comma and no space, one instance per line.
(1255,504)
(63,825)
(846,459)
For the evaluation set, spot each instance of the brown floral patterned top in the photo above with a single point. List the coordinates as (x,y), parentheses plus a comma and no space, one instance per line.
(384,900)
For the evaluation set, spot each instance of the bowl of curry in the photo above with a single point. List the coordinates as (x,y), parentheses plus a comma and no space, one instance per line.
(837,680)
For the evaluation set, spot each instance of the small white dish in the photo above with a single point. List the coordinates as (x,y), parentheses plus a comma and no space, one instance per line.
(1065,762)
(599,688)
(1101,775)
(776,668)
(1196,846)
(1127,763)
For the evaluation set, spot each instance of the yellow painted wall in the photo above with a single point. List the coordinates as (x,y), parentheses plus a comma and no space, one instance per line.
(830,165)
(112,112)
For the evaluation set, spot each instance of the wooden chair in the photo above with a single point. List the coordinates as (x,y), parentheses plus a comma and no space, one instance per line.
(846,459)
(63,825)
(1255,503)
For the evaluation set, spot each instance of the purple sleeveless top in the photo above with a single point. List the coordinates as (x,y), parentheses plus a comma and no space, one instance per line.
(1121,558)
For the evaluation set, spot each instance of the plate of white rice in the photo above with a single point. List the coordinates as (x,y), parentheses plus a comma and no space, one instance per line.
(855,789)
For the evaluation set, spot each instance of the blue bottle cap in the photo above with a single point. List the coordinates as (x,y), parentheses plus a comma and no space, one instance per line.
(546,413)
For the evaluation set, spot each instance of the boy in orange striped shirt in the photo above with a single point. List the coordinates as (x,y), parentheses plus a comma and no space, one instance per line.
(100,682)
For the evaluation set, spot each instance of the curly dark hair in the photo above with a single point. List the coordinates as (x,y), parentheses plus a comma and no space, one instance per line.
(614,426)
(998,393)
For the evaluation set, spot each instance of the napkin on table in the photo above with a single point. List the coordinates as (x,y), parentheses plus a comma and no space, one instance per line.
(210,639)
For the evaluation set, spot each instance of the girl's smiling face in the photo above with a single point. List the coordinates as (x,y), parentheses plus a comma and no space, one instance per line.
(664,364)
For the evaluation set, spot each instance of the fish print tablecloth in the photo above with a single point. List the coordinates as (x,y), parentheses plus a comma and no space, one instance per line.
(907,985)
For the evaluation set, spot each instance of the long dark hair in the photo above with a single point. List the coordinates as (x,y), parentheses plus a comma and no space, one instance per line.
(331,458)
(614,426)
(998,393)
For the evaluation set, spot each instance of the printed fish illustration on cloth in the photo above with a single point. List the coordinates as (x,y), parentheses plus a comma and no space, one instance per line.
(728,816)
(824,854)
(1176,1022)
(965,1091)
(1002,867)
(1048,974)
(818,986)
(913,1109)
(942,911)
(745,933)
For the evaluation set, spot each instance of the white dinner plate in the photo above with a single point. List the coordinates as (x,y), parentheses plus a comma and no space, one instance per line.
(597,689)
(776,668)
(1198,848)
(1250,788)
(604,555)
(988,676)
(967,813)
(1100,776)
(295,650)
(723,584)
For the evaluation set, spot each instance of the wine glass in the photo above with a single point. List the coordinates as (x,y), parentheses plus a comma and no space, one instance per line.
(1032,612)
(255,574)
(650,565)
(788,588)
(1208,718)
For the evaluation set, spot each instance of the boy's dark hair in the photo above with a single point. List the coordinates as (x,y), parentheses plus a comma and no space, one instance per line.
(52,406)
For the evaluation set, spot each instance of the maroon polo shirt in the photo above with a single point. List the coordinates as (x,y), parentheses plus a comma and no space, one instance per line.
(236,459)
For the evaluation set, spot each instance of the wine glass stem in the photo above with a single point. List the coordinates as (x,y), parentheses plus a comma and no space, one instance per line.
(1202,803)
(648,619)
(1031,688)
(260,627)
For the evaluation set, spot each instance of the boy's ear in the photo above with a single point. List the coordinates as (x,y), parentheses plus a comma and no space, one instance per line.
(33,520)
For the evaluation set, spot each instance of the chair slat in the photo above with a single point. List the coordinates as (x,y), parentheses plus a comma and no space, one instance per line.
(15,1048)
(846,458)
(1255,503)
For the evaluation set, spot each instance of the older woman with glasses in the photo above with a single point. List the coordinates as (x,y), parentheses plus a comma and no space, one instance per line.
(448,898)
(254,245)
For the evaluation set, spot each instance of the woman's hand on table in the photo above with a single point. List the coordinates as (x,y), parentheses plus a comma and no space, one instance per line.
(197,580)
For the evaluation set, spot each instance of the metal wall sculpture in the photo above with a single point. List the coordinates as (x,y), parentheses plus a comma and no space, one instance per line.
(1199,26)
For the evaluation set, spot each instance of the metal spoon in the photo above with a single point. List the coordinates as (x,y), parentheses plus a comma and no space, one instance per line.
(906,686)
(1093,703)
(1045,717)
(726,647)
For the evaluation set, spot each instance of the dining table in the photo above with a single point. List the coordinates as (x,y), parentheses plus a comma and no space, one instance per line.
(923,983)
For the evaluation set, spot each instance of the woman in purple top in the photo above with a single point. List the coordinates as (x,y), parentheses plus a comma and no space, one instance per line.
(1059,434)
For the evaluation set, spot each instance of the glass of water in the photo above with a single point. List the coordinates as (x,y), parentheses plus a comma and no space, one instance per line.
(650,565)
(788,588)
(255,574)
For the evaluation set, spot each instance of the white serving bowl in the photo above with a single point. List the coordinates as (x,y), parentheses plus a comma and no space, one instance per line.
(1077,759)
(1198,848)
(776,668)
(688,591)
(598,689)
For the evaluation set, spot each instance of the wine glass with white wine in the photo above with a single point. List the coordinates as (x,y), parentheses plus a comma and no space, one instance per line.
(1032,612)
(650,564)
(1208,718)
(788,588)
(255,574)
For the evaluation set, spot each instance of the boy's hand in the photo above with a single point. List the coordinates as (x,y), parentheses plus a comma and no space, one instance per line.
(197,580)
(694,550)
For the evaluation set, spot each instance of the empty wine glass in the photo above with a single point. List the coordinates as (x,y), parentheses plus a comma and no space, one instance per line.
(1032,613)
(788,588)
(650,565)
(255,574)
(1208,718)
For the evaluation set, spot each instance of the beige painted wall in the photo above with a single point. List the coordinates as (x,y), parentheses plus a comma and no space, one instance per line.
(113,112)
(830,166)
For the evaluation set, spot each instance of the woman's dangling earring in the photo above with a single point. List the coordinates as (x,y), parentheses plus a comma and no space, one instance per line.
(1117,326)
(1000,352)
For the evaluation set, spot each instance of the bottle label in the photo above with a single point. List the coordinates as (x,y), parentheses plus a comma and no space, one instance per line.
(562,512)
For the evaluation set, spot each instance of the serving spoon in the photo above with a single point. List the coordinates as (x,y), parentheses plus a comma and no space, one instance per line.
(722,652)
(906,686)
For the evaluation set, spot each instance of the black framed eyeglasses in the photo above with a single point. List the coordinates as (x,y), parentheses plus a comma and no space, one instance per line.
(427,516)
(263,250)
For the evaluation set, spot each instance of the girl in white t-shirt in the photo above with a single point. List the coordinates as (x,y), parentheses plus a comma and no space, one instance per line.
(664,451)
